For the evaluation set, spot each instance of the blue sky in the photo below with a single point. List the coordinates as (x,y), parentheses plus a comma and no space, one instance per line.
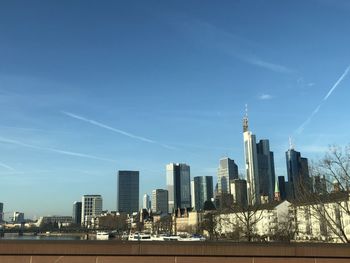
(91,87)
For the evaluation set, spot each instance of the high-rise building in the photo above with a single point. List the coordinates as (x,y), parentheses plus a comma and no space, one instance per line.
(282,187)
(1,212)
(227,171)
(298,174)
(203,191)
(193,201)
(239,192)
(77,213)
(319,184)
(178,186)
(18,217)
(251,164)
(266,169)
(128,191)
(146,202)
(160,201)
(91,208)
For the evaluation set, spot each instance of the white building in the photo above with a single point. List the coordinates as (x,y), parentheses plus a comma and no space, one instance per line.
(251,164)
(146,202)
(326,218)
(266,221)
(91,208)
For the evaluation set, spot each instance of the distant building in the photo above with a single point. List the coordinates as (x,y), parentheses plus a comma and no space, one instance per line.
(160,201)
(90,209)
(146,202)
(266,169)
(251,164)
(298,174)
(282,187)
(239,192)
(178,186)
(59,220)
(1,212)
(319,184)
(227,171)
(77,213)
(18,217)
(193,201)
(128,191)
(203,191)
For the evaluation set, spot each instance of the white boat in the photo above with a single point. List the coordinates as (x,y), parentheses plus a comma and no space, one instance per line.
(140,237)
(102,235)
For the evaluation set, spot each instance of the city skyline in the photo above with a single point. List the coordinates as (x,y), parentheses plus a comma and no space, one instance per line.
(87,90)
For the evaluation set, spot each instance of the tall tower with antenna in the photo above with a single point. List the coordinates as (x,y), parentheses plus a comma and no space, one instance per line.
(251,163)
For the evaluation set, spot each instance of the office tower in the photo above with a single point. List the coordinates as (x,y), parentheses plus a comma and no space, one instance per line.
(193,201)
(227,171)
(146,202)
(239,192)
(178,186)
(251,163)
(203,191)
(266,169)
(77,213)
(160,201)
(282,187)
(319,184)
(298,174)
(91,208)
(18,217)
(1,212)
(128,191)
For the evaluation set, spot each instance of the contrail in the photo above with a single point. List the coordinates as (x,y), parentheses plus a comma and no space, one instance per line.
(336,84)
(59,151)
(7,166)
(104,126)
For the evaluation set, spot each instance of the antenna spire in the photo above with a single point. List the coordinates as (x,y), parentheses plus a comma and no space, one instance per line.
(291,145)
(245,119)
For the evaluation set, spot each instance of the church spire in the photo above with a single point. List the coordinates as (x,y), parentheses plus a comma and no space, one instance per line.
(245,119)
(277,192)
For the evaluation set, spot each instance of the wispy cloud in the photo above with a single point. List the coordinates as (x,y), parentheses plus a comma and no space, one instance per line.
(232,44)
(49,149)
(107,127)
(265,97)
(266,65)
(8,167)
(316,110)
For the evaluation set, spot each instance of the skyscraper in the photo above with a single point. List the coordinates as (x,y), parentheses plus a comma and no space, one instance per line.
(1,212)
(298,173)
(77,213)
(128,191)
(160,201)
(91,208)
(193,201)
(239,192)
(203,190)
(266,169)
(251,163)
(146,202)
(227,171)
(178,186)
(282,187)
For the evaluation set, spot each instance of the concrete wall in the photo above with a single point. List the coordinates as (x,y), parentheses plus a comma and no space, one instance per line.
(177,252)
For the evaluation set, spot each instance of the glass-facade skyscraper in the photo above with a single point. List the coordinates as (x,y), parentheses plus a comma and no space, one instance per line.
(178,186)
(203,191)
(227,171)
(77,213)
(298,173)
(160,201)
(128,191)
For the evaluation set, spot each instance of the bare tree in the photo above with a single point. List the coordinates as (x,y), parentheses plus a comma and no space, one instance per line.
(331,205)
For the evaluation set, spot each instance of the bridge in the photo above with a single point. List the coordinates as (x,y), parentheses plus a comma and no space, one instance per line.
(176,252)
